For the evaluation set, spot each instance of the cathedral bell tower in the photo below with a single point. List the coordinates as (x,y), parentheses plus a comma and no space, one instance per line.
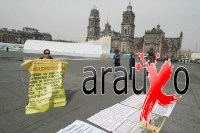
(93,28)
(127,29)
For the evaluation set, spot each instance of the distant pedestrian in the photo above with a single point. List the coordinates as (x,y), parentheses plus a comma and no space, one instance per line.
(114,58)
(46,54)
(7,49)
(117,63)
(131,64)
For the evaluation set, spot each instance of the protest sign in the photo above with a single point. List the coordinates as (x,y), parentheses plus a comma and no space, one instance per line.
(46,90)
(80,127)
(137,101)
(123,119)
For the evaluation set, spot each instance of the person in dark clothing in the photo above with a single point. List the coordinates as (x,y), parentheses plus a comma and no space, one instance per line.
(131,64)
(114,58)
(46,54)
(7,49)
(117,63)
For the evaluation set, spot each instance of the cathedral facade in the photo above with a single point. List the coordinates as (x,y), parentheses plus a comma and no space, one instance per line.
(153,40)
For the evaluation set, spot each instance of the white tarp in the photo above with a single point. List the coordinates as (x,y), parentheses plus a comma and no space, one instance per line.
(60,48)
(195,56)
(104,41)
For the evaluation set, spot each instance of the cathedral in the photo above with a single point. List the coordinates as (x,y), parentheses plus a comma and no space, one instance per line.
(153,40)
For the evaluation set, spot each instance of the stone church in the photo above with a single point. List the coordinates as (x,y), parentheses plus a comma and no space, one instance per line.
(152,40)
(156,41)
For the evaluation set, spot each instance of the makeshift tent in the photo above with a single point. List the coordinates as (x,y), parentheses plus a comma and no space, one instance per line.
(195,56)
(61,48)
(104,41)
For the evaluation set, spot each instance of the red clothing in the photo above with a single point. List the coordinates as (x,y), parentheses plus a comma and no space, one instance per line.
(153,60)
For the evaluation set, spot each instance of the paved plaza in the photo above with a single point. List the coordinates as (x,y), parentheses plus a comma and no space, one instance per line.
(14,81)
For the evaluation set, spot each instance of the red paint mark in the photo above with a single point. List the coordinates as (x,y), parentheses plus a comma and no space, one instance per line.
(157,55)
(138,66)
(154,131)
(157,83)
(150,121)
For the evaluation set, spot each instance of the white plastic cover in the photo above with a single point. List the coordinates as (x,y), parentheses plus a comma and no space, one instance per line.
(60,48)
(104,41)
(195,56)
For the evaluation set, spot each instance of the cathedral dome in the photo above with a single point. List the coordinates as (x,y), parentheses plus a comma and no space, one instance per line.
(129,7)
(94,12)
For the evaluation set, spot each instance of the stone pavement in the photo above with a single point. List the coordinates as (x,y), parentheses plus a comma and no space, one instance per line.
(185,117)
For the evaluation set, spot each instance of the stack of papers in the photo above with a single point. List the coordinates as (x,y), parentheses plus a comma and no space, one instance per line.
(80,127)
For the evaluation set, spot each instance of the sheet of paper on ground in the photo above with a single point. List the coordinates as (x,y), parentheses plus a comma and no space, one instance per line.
(120,119)
(80,127)
(137,101)
(46,88)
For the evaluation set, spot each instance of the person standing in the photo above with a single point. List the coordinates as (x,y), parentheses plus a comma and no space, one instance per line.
(117,63)
(7,49)
(114,57)
(131,64)
(46,54)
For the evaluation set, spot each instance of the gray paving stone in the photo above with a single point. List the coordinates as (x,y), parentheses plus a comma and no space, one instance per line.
(4,93)
(51,127)
(175,123)
(20,119)
(80,114)
(11,104)
(1,87)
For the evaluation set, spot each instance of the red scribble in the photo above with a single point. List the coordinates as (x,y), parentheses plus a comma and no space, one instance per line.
(157,55)
(138,66)
(157,83)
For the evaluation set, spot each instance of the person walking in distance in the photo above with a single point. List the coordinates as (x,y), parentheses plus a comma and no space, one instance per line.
(46,54)
(131,64)
(7,49)
(117,63)
(114,58)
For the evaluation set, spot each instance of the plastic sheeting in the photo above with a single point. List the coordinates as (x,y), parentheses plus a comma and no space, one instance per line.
(110,56)
(104,41)
(126,56)
(60,48)
(195,56)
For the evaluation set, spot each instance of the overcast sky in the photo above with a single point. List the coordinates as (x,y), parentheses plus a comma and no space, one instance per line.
(68,19)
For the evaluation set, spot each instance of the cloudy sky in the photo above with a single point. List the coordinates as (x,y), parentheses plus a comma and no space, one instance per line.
(68,19)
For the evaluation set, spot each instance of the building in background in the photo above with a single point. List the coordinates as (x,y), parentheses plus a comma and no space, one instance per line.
(186,53)
(20,36)
(154,40)
(123,41)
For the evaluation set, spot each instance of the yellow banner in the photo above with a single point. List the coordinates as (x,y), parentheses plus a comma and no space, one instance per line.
(46,90)
(103,57)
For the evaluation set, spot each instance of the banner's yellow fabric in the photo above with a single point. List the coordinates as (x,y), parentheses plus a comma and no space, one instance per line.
(46,90)
(103,57)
